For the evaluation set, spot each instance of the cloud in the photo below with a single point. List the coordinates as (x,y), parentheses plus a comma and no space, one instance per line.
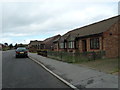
(6,40)
(60,1)
(31,20)
(14,35)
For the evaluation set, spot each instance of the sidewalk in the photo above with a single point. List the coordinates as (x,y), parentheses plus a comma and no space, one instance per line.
(79,76)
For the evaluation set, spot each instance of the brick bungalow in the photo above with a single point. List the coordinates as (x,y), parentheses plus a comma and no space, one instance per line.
(48,43)
(34,45)
(1,46)
(56,44)
(99,36)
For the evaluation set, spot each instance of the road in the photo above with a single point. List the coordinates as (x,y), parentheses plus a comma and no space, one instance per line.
(24,73)
(0,70)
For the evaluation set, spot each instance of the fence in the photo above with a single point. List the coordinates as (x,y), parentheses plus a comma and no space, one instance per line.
(75,57)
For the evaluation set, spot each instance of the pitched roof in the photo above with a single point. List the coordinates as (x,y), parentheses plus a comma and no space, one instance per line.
(91,29)
(57,39)
(35,42)
(49,40)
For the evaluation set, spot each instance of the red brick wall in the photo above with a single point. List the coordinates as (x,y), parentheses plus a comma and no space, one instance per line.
(61,49)
(110,41)
(88,44)
(56,47)
(71,50)
(119,39)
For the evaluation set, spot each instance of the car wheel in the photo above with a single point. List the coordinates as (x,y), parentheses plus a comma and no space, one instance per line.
(16,56)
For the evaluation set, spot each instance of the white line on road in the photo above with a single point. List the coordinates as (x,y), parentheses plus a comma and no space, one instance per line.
(64,81)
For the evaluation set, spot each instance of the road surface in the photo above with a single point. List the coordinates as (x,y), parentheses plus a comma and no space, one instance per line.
(24,73)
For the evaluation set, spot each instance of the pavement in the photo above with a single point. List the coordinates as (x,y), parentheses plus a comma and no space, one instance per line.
(79,76)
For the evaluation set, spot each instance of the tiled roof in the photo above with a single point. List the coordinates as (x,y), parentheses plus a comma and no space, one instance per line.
(51,39)
(35,42)
(57,39)
(91,29)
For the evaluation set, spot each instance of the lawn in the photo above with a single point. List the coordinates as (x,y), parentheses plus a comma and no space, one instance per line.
(104,65)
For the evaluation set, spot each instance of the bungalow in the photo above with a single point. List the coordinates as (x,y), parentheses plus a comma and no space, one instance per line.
(48,43)
(1,46)
(99,36)
(56,44)
(34,45)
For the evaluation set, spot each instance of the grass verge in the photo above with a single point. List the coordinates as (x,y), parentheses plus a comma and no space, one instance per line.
(104,65)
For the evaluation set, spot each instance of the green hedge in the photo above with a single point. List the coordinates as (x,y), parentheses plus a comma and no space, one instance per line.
(42,52)
(75,57)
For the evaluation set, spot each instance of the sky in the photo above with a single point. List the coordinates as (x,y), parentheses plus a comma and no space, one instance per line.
(25,20)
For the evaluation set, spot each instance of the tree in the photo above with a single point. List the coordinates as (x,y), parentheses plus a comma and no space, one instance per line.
(16,45)
(10,46)
(6,44)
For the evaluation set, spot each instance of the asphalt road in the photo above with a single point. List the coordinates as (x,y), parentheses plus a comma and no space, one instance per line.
(24,73)
(0,70)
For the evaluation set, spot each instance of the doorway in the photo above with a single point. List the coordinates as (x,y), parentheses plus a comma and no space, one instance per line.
(84,45)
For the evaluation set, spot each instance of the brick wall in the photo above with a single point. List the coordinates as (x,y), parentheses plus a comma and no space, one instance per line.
(71,50)
(88,44)
(56,47)
(110,41)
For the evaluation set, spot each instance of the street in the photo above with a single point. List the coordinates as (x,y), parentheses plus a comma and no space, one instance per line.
(24,73)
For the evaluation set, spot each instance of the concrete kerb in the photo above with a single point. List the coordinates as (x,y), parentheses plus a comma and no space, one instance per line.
(57,76)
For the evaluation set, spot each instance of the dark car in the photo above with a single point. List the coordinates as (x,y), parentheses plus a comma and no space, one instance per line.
(21,52)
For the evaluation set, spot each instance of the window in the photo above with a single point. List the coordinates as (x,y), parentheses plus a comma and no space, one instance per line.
(71,44)
(61,45)
(94,43)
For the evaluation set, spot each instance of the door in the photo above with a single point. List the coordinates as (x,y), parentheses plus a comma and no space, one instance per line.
(84,45)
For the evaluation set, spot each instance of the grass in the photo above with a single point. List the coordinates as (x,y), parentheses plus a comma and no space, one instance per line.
(5,48)
(104,65)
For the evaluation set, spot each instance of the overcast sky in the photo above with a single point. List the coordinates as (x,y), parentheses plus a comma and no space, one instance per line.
(25,21)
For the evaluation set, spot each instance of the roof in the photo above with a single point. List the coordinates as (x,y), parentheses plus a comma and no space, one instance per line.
(91,29)
(51,39)
(49,42)
(57,39)
(35,42)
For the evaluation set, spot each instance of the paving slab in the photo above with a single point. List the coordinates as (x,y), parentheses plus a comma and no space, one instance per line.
(79,76)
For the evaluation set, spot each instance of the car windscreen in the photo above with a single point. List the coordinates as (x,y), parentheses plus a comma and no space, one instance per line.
(21,49)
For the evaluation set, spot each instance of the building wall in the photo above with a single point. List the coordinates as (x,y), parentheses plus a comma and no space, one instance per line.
(110,41)
(34,46)
(119,40)
(71,50)
(56,47)
(0,46)
(88,44)
(61,49)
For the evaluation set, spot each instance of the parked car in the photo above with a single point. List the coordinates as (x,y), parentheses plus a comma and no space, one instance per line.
(21,52)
